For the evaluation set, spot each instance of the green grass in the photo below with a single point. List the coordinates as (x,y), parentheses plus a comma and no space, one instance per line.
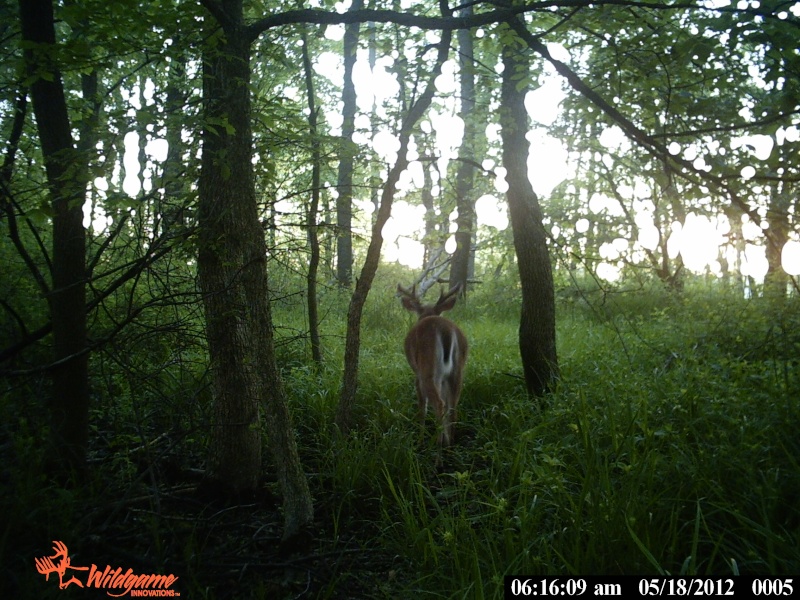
(669,446)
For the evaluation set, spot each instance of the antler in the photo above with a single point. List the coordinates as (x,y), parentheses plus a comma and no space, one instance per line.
(411,302)
(409,298)
(45,566)
(406,293)
(60,548)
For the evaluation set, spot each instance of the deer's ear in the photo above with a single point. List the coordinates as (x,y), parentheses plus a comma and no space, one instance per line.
(409,298)
(448,301)
(446,304)
(410,303)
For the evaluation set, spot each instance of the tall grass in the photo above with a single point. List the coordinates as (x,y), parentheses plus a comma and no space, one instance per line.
(670,446)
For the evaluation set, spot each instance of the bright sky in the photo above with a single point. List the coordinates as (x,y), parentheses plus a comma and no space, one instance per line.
(700,237)
(547,162)
(698,240)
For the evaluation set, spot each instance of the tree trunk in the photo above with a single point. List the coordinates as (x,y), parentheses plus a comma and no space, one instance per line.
(344,186)
(537,329)
(465,199)
(672,275)
(430,241)
(313,209)
(364,282)
(776,279)
(233,279)
(67,176)
(172,203)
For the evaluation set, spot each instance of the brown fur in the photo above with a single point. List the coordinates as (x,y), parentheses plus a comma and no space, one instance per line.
(437,351)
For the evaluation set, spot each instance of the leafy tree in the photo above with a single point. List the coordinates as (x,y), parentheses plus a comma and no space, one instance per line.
(686,77)
(233,278)
(537,336)
(67,174)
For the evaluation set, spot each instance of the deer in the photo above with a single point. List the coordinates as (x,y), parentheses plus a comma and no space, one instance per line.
(436,350)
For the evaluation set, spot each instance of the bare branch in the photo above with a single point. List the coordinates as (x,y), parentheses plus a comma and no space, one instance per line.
(498,15)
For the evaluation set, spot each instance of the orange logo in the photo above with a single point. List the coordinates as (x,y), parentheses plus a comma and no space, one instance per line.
(109,579)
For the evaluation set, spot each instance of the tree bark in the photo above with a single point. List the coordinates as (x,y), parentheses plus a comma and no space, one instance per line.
(430,241)
(67,176)
(671,274)
(776,279)
(344,186)
(233,279)
(465,199)
(172,203)
(537,331)
(313,209)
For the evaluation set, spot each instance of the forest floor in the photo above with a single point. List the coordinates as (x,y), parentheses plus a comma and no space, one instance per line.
(670,447)
(218,548)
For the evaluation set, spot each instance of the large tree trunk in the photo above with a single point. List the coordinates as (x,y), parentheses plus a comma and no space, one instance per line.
(66,177)
(537,328)
(233,279)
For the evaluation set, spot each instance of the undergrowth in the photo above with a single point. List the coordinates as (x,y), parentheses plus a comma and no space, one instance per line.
(669,446)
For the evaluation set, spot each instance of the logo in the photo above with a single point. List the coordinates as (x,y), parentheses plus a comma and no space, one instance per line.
(116,582)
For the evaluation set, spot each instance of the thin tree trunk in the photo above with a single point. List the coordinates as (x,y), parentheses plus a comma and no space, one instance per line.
(537,331)
(171,207)
(776,279)
(313,209)
(465,199)
(672,274)
(364,282)
(344,186)
(374,121)
(430,242)
(67,177)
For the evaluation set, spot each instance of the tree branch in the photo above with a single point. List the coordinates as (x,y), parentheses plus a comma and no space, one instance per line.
(636,134)
(452,22)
